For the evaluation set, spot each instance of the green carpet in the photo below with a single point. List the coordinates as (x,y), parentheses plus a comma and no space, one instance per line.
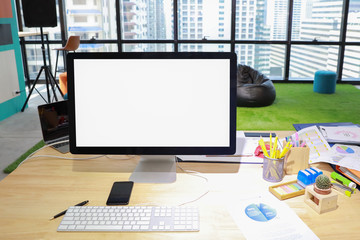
(14,165)
(297,103)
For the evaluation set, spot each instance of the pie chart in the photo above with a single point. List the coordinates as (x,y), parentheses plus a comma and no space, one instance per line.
(260,212)
(344,150)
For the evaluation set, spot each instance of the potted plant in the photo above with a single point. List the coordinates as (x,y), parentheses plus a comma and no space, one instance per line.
(322,186)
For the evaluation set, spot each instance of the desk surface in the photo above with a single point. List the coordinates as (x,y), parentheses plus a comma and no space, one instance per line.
(43,187)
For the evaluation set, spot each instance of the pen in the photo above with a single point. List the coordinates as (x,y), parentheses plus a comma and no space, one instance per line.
(274,148)
(270,144)
(293,141)
(285,150)
(342,188)
(63,212)
(263,147)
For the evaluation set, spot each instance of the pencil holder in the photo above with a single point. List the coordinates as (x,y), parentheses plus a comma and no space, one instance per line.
(297,159)
(273,169)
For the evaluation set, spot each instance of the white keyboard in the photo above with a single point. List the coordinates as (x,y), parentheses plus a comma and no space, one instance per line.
(130,219)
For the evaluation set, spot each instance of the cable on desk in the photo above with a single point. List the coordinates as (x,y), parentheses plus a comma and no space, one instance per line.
(190,172)
(53,156)
(67,158)
(195,174)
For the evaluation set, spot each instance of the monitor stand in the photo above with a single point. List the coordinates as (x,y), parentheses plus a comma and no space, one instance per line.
(155,169)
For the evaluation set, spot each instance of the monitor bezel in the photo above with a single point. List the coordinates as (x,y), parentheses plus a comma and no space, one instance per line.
(153,150)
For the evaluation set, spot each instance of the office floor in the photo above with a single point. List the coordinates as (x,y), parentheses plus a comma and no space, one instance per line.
(21,131)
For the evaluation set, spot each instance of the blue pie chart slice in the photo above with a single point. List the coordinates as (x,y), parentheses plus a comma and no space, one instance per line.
(260,212)
(344,150)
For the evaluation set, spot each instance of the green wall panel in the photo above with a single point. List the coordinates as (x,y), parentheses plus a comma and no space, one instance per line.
(14,104)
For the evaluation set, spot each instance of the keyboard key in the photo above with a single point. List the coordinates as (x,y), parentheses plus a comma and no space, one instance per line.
(103,227)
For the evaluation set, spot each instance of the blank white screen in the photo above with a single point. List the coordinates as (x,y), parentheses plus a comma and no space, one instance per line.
(152,102)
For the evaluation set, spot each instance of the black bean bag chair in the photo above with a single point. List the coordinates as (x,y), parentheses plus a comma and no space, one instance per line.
(253,88)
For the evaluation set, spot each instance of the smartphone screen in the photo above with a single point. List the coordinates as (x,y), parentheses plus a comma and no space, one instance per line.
(120,193)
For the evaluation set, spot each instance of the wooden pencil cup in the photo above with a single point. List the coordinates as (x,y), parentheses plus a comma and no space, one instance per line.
(297,159)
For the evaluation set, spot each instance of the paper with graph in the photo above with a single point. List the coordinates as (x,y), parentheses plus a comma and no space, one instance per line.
(320,151)
(265,217)
(347,156)
(319,147)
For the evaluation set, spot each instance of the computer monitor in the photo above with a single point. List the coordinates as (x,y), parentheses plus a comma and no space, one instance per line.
(154,105)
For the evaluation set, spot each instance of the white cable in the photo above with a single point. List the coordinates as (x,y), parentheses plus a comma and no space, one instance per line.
(195,174)
(67,158)
(46,145)
(53,156)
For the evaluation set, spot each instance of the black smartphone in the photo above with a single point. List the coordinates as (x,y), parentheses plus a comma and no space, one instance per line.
(120,193)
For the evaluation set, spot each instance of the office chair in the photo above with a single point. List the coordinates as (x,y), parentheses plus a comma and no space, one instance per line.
(72,44)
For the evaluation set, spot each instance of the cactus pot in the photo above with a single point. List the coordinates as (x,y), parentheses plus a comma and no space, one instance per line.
(320,191)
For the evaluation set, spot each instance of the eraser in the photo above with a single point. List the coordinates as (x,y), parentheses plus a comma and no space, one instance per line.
(304,177)
(318,171)
(307,177)
(312,173)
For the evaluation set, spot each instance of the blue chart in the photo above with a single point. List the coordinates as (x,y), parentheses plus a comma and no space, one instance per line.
(260,212)
(344,150)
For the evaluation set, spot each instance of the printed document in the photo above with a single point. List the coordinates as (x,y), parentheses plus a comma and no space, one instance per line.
(267,218)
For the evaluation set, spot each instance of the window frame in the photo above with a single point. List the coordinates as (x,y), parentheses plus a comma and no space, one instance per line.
(177,40)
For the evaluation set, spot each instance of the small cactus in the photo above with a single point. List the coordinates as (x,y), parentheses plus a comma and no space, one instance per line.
(323,182)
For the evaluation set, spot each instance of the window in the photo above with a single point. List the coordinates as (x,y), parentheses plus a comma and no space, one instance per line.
(79,2)
(146,21)
(321,21)
(261,32)
(78,19)
(91,20)
(351,63)
(204,47)
(203,14)
(267,58)
(307,59)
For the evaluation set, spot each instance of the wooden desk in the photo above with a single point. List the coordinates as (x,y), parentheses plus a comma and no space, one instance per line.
(43,187)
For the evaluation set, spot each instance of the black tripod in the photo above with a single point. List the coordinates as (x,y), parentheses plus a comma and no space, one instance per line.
(49,78)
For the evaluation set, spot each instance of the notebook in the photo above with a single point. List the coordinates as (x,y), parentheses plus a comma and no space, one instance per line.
(350,173)
(54,122)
